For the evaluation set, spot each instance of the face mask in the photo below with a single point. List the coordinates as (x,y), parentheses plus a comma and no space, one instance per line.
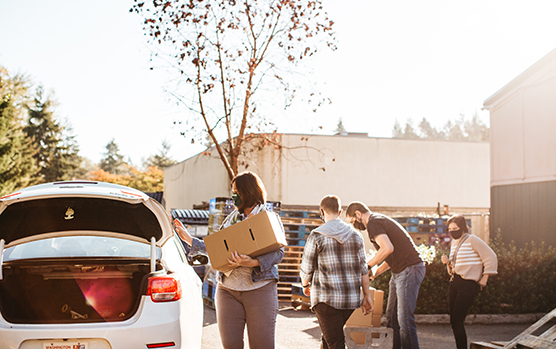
(456,234)
(236,199)
(322,216)
(359,225)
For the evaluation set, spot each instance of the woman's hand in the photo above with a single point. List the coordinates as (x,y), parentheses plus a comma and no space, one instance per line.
(241,260)
(445,259)
(182,232)
(483,281)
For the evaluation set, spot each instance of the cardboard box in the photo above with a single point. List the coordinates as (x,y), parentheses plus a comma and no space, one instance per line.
(257,235)
(357,319)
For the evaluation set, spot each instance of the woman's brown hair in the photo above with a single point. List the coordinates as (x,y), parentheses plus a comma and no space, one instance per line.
(250,188)
(460,221)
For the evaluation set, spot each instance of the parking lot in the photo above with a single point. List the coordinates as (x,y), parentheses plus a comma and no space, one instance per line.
(300,329)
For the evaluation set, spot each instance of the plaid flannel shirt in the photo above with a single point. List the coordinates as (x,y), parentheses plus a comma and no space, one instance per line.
(334,270)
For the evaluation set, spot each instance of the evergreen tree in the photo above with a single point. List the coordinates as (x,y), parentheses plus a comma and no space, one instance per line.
(397,132)
(409,131)
(161,160)
(340,129)
(429,132)
(17,166)
(57,153)
(113,162)
(476,130)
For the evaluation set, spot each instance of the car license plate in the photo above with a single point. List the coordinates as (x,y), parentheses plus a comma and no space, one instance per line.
(65,345)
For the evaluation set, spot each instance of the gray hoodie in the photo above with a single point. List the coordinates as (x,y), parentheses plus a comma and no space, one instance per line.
(336,229)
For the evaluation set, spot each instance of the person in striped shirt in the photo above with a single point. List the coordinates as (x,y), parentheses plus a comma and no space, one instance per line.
(470,263)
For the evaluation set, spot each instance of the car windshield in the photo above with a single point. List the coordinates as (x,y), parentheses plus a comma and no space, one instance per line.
(79,246)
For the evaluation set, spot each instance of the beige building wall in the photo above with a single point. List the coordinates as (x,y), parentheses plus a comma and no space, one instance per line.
(378,171)
(523,121)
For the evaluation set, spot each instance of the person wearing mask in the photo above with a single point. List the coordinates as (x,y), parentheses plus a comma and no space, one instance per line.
(470,263)
(395,251)
(248,294)
(334,272)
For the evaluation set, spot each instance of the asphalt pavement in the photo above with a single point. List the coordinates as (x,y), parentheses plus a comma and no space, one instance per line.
(296,328)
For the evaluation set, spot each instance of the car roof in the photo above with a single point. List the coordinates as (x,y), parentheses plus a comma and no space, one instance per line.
(82,208)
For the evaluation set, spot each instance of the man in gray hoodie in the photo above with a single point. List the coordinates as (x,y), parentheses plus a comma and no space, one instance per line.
(334,272)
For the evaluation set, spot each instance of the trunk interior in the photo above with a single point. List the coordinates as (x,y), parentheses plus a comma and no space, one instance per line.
(47,291)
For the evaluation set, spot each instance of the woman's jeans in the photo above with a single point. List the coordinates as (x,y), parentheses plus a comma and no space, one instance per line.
(256,308)
(461,294)
(402,300)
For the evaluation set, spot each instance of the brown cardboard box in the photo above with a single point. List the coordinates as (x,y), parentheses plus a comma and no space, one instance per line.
(357,319)
(257,235)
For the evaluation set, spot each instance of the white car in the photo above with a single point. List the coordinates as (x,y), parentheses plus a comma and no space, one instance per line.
(91,265)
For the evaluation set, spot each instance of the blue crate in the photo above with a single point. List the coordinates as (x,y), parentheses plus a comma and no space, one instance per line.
(209,289)
(299,214)
(412,229)
(413,220)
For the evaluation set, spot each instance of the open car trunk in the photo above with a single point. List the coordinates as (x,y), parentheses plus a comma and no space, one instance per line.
(76,291)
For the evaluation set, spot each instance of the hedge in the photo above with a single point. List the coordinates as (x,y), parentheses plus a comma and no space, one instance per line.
(526,281)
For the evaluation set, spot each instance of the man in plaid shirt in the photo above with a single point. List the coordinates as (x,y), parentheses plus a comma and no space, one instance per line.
(333,270)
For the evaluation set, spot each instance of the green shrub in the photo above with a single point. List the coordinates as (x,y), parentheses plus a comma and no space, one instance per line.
(526,282)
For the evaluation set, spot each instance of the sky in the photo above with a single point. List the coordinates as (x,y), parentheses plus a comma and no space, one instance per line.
(397,60)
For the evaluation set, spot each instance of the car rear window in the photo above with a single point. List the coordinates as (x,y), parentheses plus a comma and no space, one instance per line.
(79,246)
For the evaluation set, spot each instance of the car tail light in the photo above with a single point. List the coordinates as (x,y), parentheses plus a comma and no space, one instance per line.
(161,345)
(164,289)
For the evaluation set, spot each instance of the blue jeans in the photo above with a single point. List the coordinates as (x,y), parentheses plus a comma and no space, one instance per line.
(402,300)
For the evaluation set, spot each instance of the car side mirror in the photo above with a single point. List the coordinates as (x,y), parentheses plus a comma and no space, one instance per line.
(199,259)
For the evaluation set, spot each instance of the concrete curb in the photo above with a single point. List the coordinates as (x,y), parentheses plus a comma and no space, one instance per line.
(478,318)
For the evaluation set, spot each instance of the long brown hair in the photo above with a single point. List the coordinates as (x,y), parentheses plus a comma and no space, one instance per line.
(250,188)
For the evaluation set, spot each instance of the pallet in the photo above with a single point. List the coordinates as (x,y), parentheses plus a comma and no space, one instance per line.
(530,338)
(288,271)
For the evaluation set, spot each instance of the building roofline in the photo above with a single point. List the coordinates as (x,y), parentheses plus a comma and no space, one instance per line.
(517,81)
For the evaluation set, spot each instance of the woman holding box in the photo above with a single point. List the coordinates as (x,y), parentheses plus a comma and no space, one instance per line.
(471,262)
(248,294)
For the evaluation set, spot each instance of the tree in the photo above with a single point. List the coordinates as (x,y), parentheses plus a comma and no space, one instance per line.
(397,131)
(476,130)
(17,166)
(458,129)
(340,129)
(409,131)
(428,131)
(233,57)
(113,162)
(57,153)
(150,180)
(161,160)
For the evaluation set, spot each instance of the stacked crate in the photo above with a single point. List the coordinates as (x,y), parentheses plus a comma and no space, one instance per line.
(426,230)
(299,224)
(209,289)
(219,209)
(288,271)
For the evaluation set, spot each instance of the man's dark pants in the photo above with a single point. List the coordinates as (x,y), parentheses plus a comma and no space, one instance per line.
(331,322)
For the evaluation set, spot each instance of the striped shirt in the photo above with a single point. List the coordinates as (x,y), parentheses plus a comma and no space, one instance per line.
(474,258)
(334,269)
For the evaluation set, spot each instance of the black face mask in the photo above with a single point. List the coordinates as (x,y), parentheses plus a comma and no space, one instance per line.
(322,216)
(359,225)
(237,200)
(456,234)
